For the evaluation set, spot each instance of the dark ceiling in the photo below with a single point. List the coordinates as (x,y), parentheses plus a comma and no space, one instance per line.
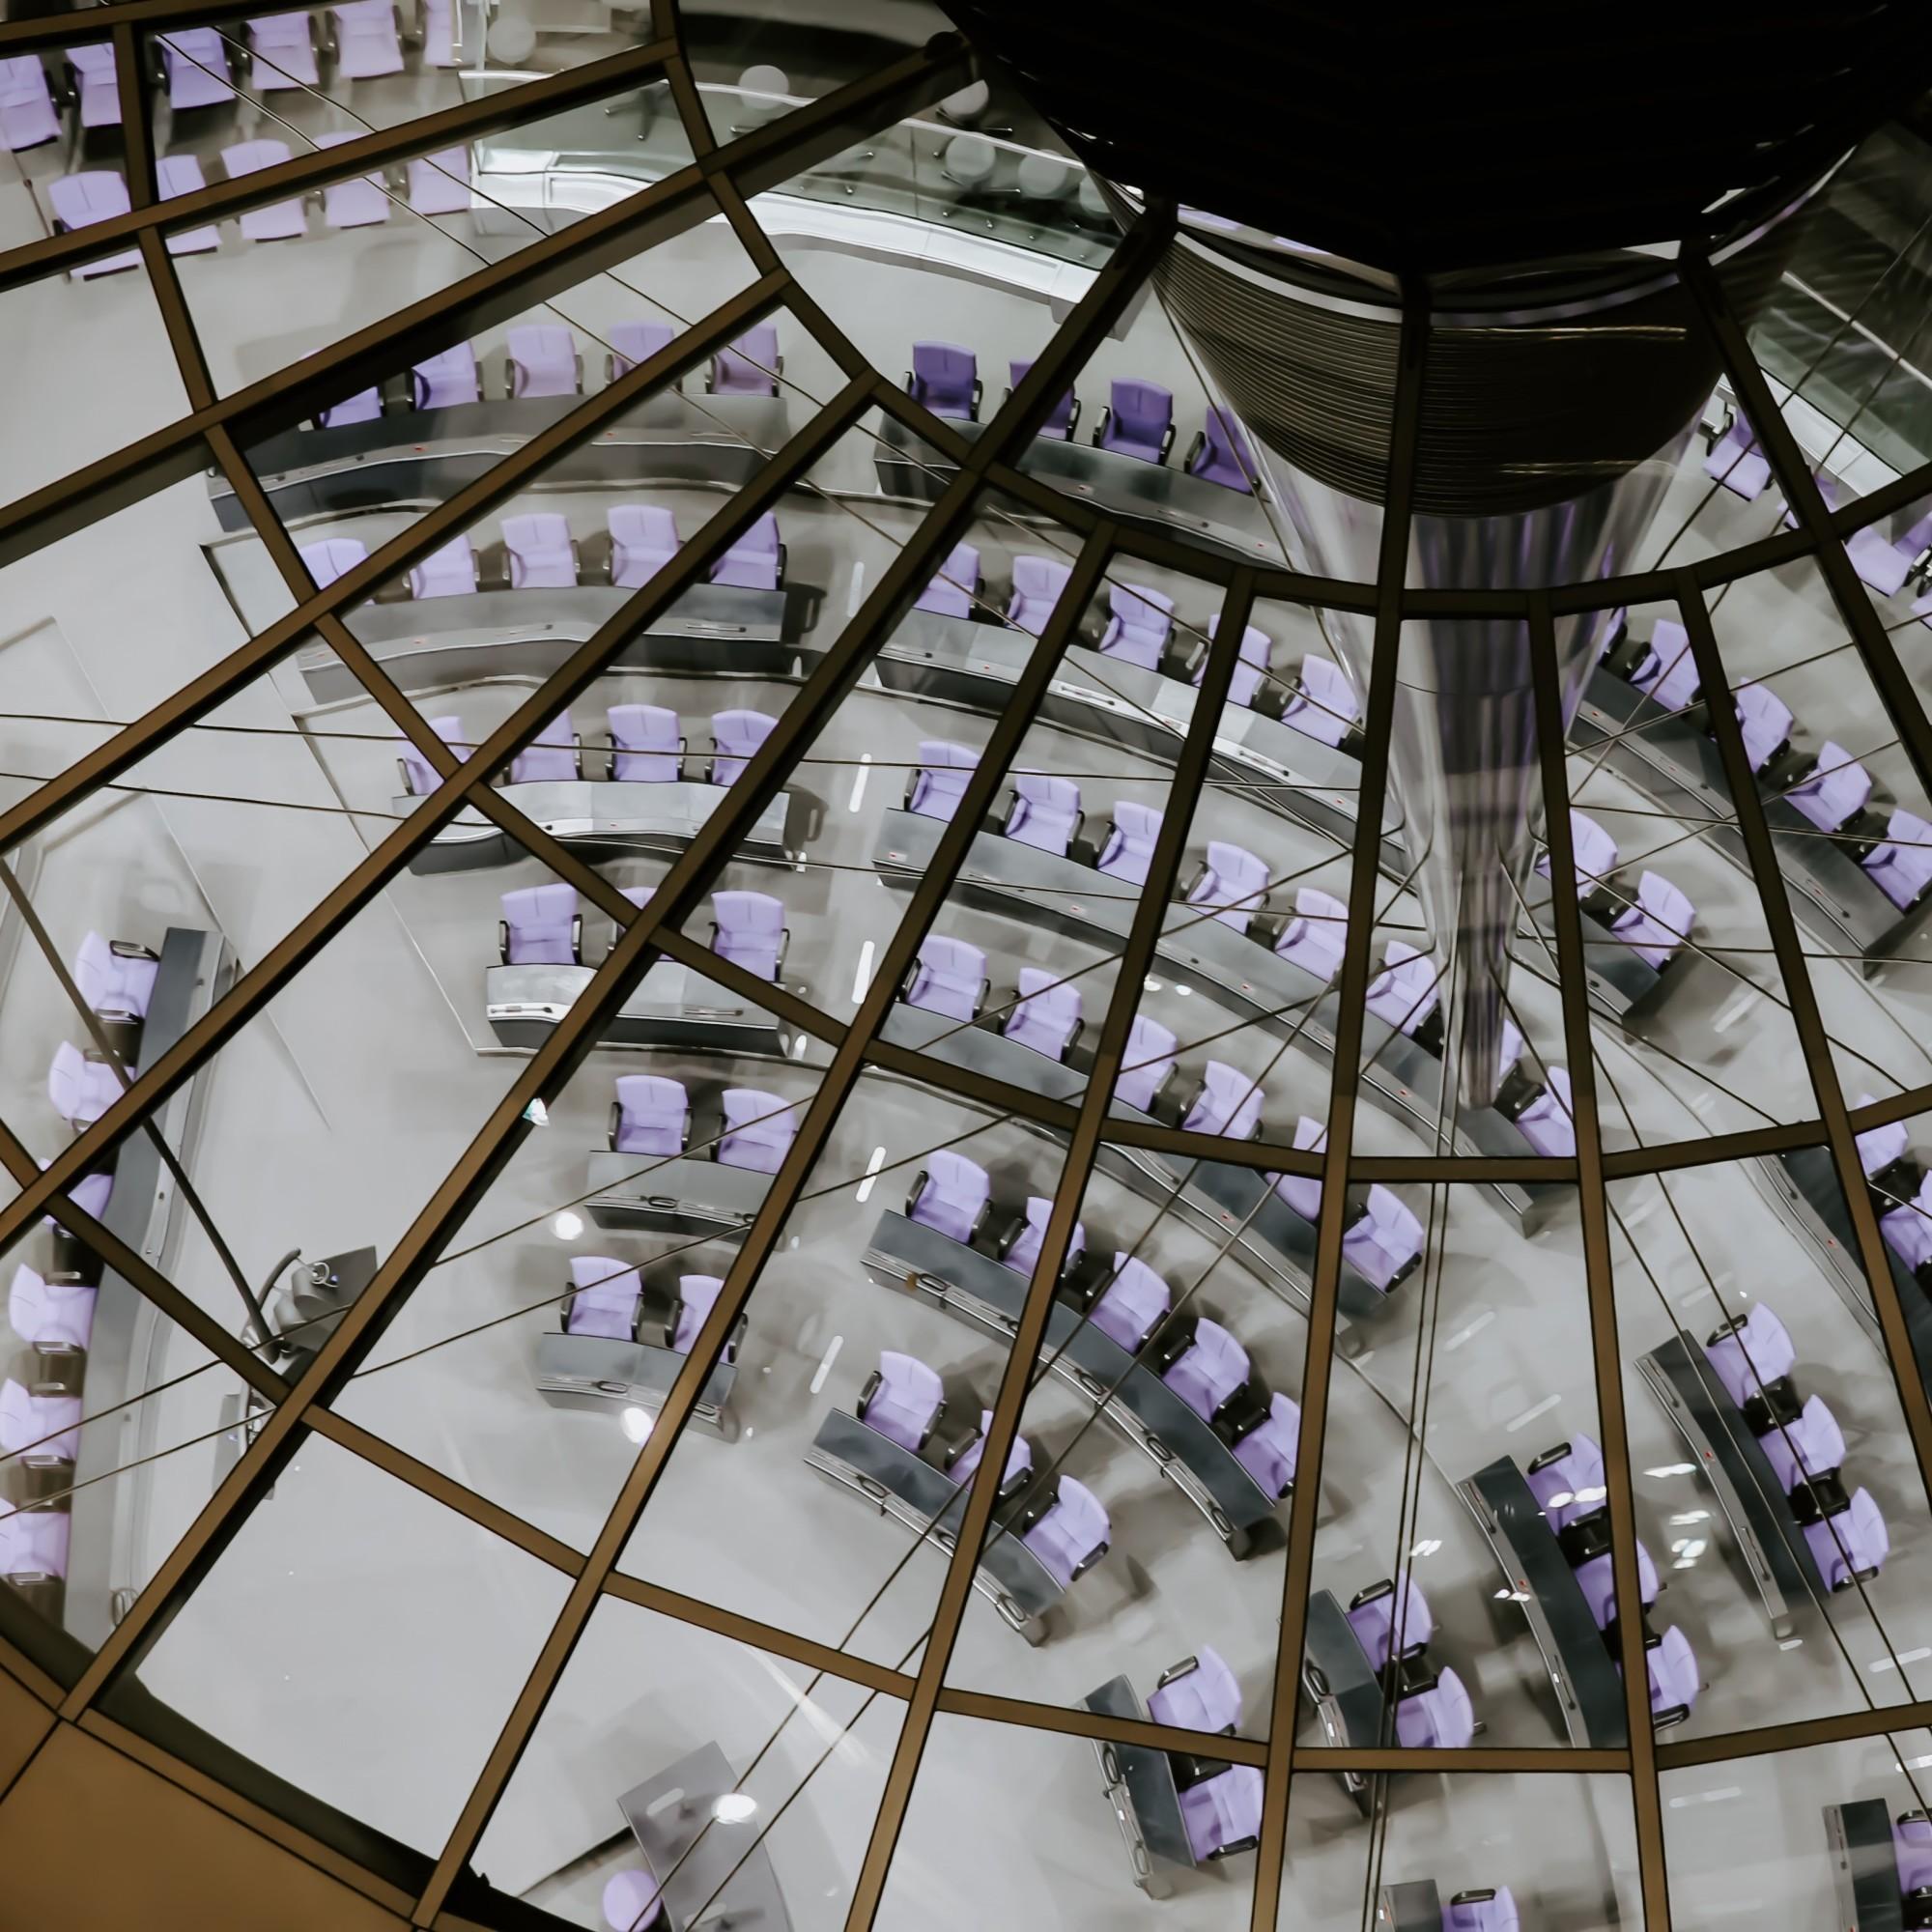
(1460,137)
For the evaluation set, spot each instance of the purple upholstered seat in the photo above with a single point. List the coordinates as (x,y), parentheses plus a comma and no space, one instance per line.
(1128,850)
(1569,1485)
(902,1400)
(541,551)
(32,1542)
(1908,1228)
(750,367)
(1132,1303)
(633,1903)
(653,1116)
(1597,1579)
(1547,1123)
(450,376)
(645,745)
(1672,1667)
(951,1194)
(643,539)
(42,1428)
(1063,414)
(117,982)
(697,1295)
(1751,1353)
(1811,1445)
(1440,1718)
(759,1130)
(749,930)
(420,776)
(1481,1912)
(49,1314)
(949,977)
(1912,1851)
(1764,719)
(1668,676)
(1395,1622)
(946,379)
(93,70)
(196,62)
(1658,923)
(359,202)
(1303,1191)
(1252,662)
(1385,1241)
(365,406)
(1837,789)
(1212,1367)
(1879,1147)
(1137,421)
(553,755)
(541,927)
(1234,882)
(1884,566)
(1324,706)
(366,42)
(544,361)
(1069,1535)
(1145,1064)
(1022,1253)
(1737,462)
(1849,1547)
(1045,812)
(1593,851)
(1901,865)
(633,343)
(27,116)
(80,1089)
(735,738)
(88,1194)
(1405,992)
(955,583)
(1037,581)
(439,183)
(448,571)
(1019,1458)
(757,561)
(1268,1451)
(1314,938)
(281,221)
(605,1299)
(1047,1015)
(1222,455)
(1139,624)
(1223,1813)
(1200,1696)
(283,47)
(1229,1103)
(79,201)
(944,769)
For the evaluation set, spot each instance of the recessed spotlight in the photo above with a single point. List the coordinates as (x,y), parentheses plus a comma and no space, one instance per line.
(734,1807)
(567,1226)
(636,1423)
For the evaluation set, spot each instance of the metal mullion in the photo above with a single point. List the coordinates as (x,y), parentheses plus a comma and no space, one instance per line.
(1077,1167)
(1893,1107)
(178,326)
(137,122)
(774,999)
(1470,1761)
(1861,512)
(1746,1144)
(1074,1720)
(1593,1198)
(1887,1720)
(1282,1158)
(996,1095)
(667,24)
(1352,983)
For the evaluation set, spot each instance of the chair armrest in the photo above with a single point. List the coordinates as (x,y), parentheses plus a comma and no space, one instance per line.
(1079,823)
(616,1122)
(576,562)
(871,1389)
(784,946)
(711,378)
(578,358)
(1073,1037)
(1073,418)
(577,739)
(1166,442)
(778,365)
(1186,654)
(610,367)
(979,393)
(917,1188)
(1171,1341)
(783,551)
(1041,1506)
(980,999)
(938,1416)
(1194,450)
(976,1235)
(1182,1111)
(1242,1412)
(132,949)
(512,369)
(1100,428)
(503,941)
(1175,1672)
(1194,883)
(1087,1562)
(909,387)
(1233,1847)
(1007,811)
(577,933)
(911,787)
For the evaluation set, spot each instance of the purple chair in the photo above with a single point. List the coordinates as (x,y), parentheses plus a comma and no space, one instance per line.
(954,584)
(1750,1353)
(441,381)
(1047,1015)
(27,116)
(633,343)
(419,776)
(1547,1123)
(1403,993)
(1022,1252)
(1019,1460)
(327,559)
(759,1130)
(902,1400)
(1037,581)
(946,379)
(1139,626)
(1884,566)
(1066,1527)
(1672,1669)
(751,367)
(949,977)
(1137,421)
(1439,1717)
(554,754)
(284,54)
(1668,676)
(439,183)
(1128,850)
(1912,1852)
(1391,1619)
(1908,1229)
(1765,721)
(1658,923)
(951,1194)
(366,40)
(650,1115)
(365,406)
(1234,882)
(697,1295)
(49,1423)
(940,780)
(1737,462)
(735,738)
(33,1544)
(1132,1304)
(88,1194)
(1809,1444)
(541,551)
(1593,853)
(50,1315)
(1199,1693)
(1837,790)
(1268,1451)
(1045,812)
(281,221)
(79,201)
(1595,1579)
(633,1903)
(605,1299)
(1223,1813)
(1146,1063)
(1219,453)
(1314,938)
(359,202)
(541,927)
(1386,1243)
(81,1087)
(1202,1363)
(1065,415)
(1249,667)
(544,361)
(643,539)
(749,930)
(1879,1147)
(1229,1103)
(645,745)
(196,61)
(1324,706)
(1901,865)
(1849,1545)
(1481,1912)
(757,561)
(1568,1482)
(99,90)
(1303,1191)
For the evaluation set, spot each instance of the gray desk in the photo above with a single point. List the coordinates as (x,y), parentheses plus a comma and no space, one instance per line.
(1865,1873)
(1621,984)
(690,1195)
(1413,1905)
(1671,760)
(712,1870)
(106,1555)
(915,1494)
(1342,1685)
(426,456)
(1138,1781)
(1589,1691)
(598,1373)
(975,1289)
(1022,882)
(1727,1455)
(670,1005)
(602,818)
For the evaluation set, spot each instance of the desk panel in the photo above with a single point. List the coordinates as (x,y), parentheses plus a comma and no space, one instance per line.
(712,1870)
(670,1005)
(1864,1872)
(1344,1689)
(1138,1781)
(689,1194)
(1413,1905)
(601,1375)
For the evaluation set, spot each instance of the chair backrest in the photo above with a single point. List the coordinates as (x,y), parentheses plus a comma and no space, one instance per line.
(543,358)
(1323,920)
(1441,1717)
(329,559)
(1143,408)
(1230,1102)
(642,527)
(944,373)
(643,727)
(536,535)
(1039,578)
(748,914)
(1047,793)
(1206,1698)
(958,1181)
(635,342)
(1138,823)
(652,1100)
(1397,1228)
(1136,1293)
(83,198)
(759,1128)
(1752,1353)
(1665,903)
(1142,609)
(447,377)
(1146,1062)
(1836,788)
(1593,850)
(1880,1146)
(540,919)
(1081,1517)
(740,733)
(605,1299)
(1049,994)
(952,587)
(910,1379)
(633,1903)
(956,959)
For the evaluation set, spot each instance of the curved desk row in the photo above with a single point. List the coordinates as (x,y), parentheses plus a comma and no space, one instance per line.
(1137,1781)
(1864,1868)
(599,1372)
(687,1195)
(602,819)
(988,1295)
(670,1005)
(1342,1685)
